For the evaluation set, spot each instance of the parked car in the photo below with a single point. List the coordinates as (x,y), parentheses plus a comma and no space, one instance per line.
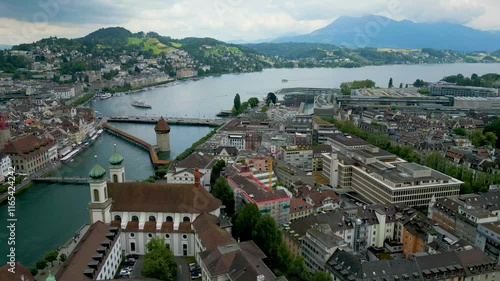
(133,256)
(193,266)
(129,262)
(196,274)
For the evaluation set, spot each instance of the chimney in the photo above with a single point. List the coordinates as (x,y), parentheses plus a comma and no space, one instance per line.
(261,277)
(197,177)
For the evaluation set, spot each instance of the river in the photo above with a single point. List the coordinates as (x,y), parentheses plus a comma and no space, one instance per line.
(49,214)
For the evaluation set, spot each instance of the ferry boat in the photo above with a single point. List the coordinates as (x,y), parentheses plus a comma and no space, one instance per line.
(141,104)
(105,96)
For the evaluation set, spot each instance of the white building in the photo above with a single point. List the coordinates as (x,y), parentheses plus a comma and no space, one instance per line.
(64,92)
(5,164)
(381,177)
(297,156)
(236,140)
(97,256)
(147,210)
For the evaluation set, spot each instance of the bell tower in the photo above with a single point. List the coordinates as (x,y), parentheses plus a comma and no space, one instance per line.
(116,167)
(100,203)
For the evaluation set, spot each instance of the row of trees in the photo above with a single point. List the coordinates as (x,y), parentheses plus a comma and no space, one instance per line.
(250,224)
(50,257)
(474,181)
(239,107)
(486,80)
(346,87)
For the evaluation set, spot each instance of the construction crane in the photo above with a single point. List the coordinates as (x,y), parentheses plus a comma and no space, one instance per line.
(270,168)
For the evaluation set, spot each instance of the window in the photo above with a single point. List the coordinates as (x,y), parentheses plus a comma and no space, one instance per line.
(167,236)
(135,218)
(152,218)
(96,195)
(186,219)
(115,178)
(132,235)
(184,249)
(150,235)
(184,236)
(118,218)
(132,247)
(169,219)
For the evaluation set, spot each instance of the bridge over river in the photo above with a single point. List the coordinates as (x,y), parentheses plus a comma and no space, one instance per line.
(170,120)
(69,180)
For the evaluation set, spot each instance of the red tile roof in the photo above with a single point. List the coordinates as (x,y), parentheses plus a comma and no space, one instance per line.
(161,197)
(162,126)
(28,146)
(20,270)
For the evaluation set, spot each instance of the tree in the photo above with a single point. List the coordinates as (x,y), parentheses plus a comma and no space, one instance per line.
(267,235)
(34,271)
(271,98)
(494,127)
(253,101)
(63,257)
(245,221)
(419,83)
(321,276)
(237,103)
(159,261)
(218,166)
(460,131)
(51,257)
(41,264)
(401,85)
(390,83)
(379,139)
(223,191)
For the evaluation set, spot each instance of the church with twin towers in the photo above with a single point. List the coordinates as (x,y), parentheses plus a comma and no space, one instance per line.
(146,210)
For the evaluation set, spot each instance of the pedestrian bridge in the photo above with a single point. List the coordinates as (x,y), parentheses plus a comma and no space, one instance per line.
(170,120)
(69,180)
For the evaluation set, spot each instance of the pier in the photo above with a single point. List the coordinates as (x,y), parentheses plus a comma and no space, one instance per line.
(68,180)
(141,143)
(170,120)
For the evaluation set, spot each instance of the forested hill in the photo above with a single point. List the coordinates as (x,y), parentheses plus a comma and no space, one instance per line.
(206,55)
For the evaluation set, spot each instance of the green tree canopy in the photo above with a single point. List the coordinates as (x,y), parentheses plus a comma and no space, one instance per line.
(494,127)
(159,261)
(223,191)
(51,257)
(237,102)
(391,85)
(321,276)
(218,166)
(267,235)
(41,264)
(245,221)
(271,98)
(346,87)
(253,101)
(460,131)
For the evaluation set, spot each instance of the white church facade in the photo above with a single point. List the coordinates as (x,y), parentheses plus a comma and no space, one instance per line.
(146,210)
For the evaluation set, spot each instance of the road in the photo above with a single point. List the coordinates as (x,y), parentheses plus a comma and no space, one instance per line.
(183,269)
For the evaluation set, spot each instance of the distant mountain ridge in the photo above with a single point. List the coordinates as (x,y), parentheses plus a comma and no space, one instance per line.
(381,32)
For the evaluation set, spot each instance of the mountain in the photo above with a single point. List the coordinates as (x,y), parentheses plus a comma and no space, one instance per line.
(381,32)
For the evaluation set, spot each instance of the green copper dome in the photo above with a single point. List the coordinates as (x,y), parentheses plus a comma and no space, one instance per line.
(50,278)
(97,172)
(115,159)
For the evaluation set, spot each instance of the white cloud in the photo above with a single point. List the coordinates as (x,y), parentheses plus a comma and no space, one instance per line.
(236,19)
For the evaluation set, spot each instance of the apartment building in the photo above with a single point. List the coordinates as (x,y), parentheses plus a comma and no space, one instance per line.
(273,202)
(298,156)
(488,239)
(318,245)
(291,176)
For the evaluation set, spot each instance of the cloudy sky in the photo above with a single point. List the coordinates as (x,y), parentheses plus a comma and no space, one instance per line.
(230,20)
